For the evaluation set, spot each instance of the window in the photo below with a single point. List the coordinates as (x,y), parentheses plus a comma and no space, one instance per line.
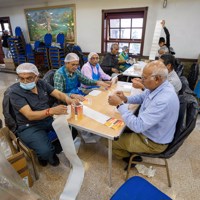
(125,27)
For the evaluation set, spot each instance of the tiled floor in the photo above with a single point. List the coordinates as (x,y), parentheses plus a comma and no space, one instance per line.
(184,168)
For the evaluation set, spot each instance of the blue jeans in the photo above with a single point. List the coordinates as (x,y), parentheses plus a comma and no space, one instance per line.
(36,137)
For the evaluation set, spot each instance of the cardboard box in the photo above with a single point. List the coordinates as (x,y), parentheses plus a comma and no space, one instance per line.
(19,163)
(9,63)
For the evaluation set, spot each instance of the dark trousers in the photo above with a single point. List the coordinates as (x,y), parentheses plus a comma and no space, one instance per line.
(36,137)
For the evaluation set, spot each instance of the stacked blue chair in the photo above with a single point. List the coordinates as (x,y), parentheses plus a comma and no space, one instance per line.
(48,39)
(61,40)
(30,54)
(137,188)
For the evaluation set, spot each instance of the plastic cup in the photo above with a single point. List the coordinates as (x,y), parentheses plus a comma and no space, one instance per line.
(77,111)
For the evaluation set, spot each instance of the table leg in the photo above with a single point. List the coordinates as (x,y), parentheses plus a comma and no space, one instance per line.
(110,161)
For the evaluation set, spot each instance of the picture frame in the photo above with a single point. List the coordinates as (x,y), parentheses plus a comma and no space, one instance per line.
(51,19)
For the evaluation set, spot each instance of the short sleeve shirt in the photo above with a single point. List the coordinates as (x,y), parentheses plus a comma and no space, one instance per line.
(20,98)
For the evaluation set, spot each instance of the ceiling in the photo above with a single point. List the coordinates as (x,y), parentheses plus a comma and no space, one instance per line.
(12,3)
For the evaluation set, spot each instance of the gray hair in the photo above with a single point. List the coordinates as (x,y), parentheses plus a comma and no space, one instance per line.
(158,69)
(113,45)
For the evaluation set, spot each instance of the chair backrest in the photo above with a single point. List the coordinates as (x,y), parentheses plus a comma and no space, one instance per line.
(185,86)
(185,124)
(8,112)
(137,188)
(48,39)
(60,38)
(193,75)
(48,77)
(179,69)
(10,138)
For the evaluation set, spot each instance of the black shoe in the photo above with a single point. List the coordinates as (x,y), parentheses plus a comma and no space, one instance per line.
(136,158)
(55,162)
(58,147)
(43,162)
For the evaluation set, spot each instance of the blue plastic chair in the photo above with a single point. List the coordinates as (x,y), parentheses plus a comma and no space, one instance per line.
(48,39)
(137,188)
(60,39)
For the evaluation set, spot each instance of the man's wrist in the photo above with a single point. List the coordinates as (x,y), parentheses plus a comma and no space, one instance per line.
(120,105)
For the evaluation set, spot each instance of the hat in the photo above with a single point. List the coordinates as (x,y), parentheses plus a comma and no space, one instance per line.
(70,57)
(92,54)
(27,68)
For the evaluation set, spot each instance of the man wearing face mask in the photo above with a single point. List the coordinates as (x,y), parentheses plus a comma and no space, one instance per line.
(29,99)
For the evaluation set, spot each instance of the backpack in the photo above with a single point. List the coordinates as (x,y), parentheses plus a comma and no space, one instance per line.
(8,112)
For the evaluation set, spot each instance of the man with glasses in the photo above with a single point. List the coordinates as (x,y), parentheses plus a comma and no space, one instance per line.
(93,71)
(154,127)
(68,78)
(29,99)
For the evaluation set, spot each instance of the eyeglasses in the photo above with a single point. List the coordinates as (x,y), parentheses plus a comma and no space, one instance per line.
(74,65)
(145,78)
(95,58)
(28,79)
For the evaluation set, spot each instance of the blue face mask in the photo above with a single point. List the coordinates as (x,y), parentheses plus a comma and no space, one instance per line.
(27,86)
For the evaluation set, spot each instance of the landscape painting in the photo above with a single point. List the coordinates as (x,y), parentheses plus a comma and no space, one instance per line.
(54,20)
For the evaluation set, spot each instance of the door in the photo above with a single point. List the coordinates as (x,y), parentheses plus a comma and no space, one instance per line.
(4,25)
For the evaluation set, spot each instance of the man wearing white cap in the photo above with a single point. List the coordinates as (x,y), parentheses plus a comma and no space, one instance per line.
(68,78)
(92,70)
(29,99)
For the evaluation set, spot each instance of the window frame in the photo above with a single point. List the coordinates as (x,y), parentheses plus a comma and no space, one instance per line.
(122,14)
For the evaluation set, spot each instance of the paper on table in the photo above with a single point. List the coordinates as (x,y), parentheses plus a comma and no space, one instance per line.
(97,116)
(75,179)
(95,93)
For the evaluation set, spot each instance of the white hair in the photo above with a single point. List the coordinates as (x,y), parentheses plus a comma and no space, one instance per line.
(27,68)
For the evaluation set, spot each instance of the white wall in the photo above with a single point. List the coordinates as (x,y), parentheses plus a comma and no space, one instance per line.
(182,20)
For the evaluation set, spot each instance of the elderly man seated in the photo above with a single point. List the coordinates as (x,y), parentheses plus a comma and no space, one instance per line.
(68,78)
(154,127)
(29,99)
(93,71)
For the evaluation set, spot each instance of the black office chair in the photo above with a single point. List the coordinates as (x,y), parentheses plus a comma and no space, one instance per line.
(179,69)
(193,75)
(185,87)
(185,125)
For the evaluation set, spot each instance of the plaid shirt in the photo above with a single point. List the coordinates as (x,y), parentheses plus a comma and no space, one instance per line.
(60,80)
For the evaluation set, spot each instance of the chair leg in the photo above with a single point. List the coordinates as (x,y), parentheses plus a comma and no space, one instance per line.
(129,166)
(32,157)
(168,176)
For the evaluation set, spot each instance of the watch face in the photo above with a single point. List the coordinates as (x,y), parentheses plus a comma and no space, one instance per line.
(164,3)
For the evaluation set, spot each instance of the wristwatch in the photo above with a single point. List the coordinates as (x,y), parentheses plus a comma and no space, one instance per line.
(120,105)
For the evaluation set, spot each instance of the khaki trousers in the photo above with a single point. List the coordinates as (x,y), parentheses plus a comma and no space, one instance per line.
(132,142)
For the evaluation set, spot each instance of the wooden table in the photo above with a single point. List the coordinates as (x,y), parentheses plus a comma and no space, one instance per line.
(100,104)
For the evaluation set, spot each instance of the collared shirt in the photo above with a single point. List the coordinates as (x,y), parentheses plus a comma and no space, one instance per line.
(87,71)
(158,113)
(60,80)
(20,97)
(175,81)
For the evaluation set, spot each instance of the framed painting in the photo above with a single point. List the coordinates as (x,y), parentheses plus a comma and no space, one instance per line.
(54,20)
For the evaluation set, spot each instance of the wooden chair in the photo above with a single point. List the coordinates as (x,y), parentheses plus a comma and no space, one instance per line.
(185,125)
(16,144)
